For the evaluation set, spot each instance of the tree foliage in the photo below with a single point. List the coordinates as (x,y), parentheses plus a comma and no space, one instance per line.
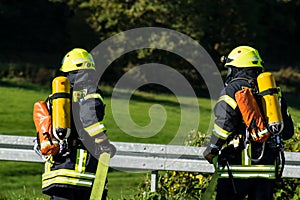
(217,25)
(41,31)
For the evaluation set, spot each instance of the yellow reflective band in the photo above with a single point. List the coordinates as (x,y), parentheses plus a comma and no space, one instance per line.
(95,129)
(48,164)
(254,171)
(230,101)
(68,181)
(248,175)
(93,96)
(67,173)
(67,176)
(252,168)
(80,160)
(221,133)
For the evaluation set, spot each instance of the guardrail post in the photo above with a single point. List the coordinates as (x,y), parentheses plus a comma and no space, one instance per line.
(154,176)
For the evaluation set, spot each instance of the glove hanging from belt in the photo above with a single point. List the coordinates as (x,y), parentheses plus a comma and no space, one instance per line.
(103,145)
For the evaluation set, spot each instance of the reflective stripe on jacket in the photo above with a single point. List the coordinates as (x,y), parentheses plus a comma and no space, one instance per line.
(90,105)
(78,176)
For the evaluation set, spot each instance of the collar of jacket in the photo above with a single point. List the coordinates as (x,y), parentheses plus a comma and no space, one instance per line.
(248,72)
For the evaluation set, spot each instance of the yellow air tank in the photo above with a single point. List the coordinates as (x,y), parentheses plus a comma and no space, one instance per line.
(267,88)
(61,112)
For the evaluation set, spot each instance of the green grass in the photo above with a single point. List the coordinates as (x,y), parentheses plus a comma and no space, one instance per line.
(123,185)
(20,180)
(16,110)
(142,104)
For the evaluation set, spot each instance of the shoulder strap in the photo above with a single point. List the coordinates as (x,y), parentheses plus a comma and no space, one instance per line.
(252,82)
(246,78)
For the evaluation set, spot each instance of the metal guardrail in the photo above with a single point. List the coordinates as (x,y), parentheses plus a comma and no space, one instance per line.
(129,156)
(139,156)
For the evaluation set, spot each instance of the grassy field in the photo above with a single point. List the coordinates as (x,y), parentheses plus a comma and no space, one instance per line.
(21,180)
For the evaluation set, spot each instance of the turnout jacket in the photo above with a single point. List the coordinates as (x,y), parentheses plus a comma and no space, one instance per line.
(230,128)
(75,169)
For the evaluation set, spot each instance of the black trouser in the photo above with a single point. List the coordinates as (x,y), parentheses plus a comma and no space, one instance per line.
(255,188)
(73,194)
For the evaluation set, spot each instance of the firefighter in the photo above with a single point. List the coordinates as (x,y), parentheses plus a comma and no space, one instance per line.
(70,173)
(245,167)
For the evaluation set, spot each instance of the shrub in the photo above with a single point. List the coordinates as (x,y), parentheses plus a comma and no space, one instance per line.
(289,188)
(288,79)
(178,184)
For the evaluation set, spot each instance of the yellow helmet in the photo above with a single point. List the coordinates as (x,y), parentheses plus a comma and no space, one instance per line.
(242,57)
(77,59)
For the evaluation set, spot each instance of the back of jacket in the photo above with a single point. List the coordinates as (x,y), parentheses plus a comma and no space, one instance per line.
(75,170)
(258,159)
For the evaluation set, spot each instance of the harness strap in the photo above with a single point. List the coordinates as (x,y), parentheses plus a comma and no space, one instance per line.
(60,95)
(269,91)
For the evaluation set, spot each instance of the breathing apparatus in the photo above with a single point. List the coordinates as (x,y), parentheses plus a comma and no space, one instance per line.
(269,92)
(61,109)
